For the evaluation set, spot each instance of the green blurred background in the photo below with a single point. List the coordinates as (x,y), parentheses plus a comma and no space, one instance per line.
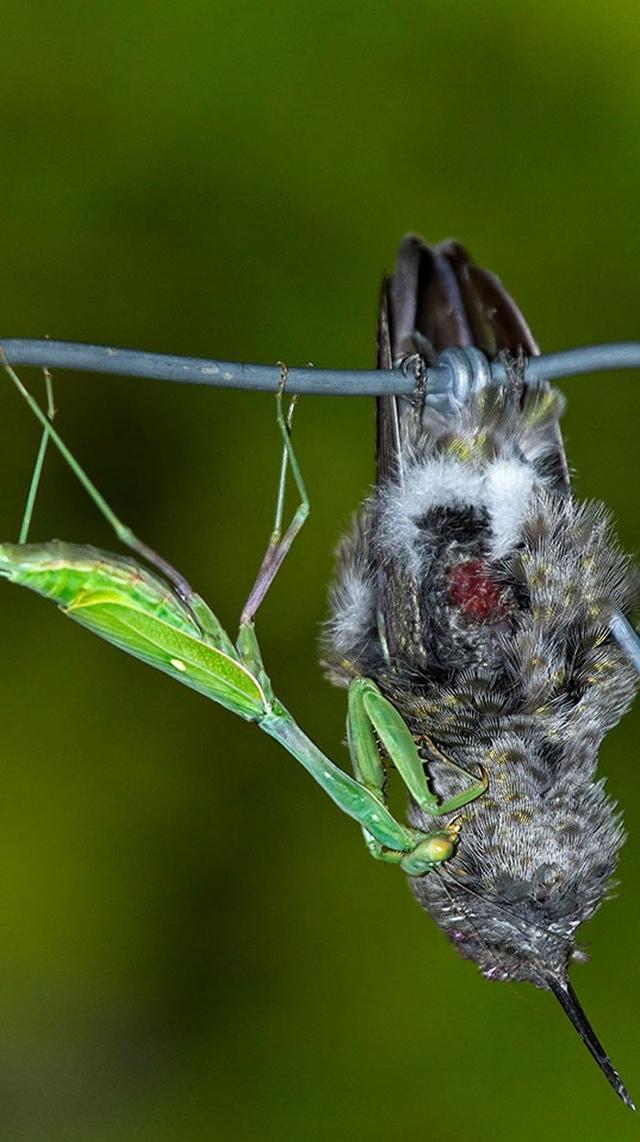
(194,945)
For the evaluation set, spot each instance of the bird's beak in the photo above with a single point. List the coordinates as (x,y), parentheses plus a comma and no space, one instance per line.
(567,997)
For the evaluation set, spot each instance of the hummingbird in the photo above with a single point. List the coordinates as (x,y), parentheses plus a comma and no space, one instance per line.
(476,592)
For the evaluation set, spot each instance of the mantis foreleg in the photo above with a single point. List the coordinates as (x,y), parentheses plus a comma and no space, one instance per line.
(372,719)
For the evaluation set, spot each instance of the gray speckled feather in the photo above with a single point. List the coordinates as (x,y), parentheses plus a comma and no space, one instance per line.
(477,593)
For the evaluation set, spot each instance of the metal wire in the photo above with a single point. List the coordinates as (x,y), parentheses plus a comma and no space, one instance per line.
(457,373)
(441,379)
(197,371)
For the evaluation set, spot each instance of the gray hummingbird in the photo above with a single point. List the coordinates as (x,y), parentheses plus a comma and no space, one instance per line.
(477,594)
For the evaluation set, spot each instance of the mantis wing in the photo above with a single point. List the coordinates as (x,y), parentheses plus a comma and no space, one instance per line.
(136,611)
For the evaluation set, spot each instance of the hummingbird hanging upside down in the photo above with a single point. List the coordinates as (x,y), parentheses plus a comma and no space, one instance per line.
(475,593)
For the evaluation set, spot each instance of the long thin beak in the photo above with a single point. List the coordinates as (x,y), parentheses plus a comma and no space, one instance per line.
(564,992)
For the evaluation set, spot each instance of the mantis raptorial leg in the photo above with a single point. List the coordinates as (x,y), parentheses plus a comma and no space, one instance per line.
(372,719)
(162,621)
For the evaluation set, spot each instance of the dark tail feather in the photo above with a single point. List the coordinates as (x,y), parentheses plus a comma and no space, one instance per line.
(435,299)
(388,442)
(439,298)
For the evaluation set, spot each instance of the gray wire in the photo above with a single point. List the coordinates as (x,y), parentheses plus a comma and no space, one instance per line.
(327,382)
(198,371)
(573,362)
(458,371)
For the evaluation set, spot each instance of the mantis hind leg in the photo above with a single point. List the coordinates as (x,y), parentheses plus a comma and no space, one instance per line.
(36,475)
(126,536)
(279,544)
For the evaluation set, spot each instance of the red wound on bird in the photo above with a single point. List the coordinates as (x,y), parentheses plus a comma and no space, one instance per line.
(471,588)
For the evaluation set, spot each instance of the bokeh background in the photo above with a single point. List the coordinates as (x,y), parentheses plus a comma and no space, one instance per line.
(194,945)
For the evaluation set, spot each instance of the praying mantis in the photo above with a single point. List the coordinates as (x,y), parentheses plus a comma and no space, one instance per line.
(142,605)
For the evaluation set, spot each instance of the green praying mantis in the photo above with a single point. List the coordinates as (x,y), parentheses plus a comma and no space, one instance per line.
(156,616)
